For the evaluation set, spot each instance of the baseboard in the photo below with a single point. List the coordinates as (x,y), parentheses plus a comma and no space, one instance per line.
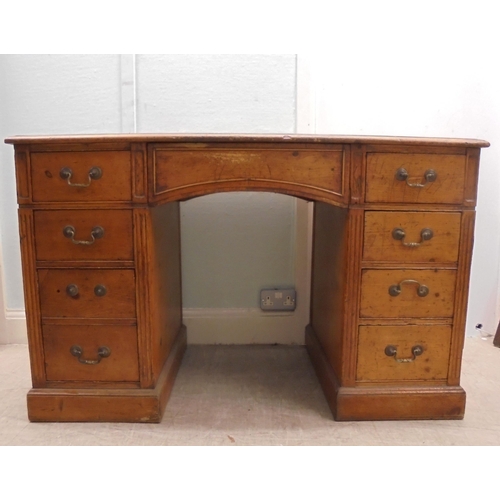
(205,326)
(242,326)
(13,329)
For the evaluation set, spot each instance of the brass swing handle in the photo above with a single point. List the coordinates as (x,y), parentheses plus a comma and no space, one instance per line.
(416,350)
(96,233)
(102,352)
(429,176)
(395,290)
(399,234)
(66,173)
(73,290)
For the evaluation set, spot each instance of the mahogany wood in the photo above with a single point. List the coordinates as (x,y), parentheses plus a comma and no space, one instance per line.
(359,201)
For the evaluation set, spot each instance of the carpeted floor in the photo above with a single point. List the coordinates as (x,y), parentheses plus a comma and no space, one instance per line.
(256,395)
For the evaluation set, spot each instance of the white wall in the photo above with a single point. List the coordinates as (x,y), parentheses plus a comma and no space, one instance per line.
(233,244)
(46,95)
(382,77)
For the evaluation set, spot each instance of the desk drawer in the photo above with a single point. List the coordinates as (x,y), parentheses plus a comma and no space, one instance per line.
(81,176)
(388,353)
(407,293)
(415,178)
(316,168)
(90,293)
(72,353)
(71,235)
(411,237)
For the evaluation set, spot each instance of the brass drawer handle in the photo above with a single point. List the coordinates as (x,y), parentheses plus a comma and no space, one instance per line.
(96,233)
(66,173)
(102,352)
(395,290)
(416,350)
(399,234)
(429,176)
(99,290)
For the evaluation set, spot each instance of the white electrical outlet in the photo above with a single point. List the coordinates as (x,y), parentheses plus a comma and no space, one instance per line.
(278,299)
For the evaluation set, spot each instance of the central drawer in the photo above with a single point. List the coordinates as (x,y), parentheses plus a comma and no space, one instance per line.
(319,167)
(407,293)
(89,293)
(68,235)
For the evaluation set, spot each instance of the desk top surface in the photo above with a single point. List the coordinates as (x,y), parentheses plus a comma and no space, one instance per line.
(246,138)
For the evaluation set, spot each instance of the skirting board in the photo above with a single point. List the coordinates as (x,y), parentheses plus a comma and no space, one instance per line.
(13,327)
(205,326)
(242,326)
(12,321)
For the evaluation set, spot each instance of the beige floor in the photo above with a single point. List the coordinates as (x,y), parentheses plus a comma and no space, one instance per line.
(256,395)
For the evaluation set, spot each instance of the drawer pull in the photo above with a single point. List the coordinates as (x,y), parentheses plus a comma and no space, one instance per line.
(102,352)
(72,290)
(66,173)
(395,290)
(96,233)
(100,290)
(429,176)
(416,350)
(399,234)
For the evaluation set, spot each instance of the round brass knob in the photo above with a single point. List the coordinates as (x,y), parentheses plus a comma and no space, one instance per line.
(72,290)
(69,232)
(430,175)
(392,351)
(100,290)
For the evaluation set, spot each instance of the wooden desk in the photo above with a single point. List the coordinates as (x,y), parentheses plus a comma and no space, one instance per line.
(99,228)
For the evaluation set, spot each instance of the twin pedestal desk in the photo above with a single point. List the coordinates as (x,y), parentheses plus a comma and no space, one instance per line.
(100,242)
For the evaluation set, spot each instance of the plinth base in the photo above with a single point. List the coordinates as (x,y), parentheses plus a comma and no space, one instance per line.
(109,405)
(403,402)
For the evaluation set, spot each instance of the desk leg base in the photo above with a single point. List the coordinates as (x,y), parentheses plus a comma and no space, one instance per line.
(109,405)
(403,402)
